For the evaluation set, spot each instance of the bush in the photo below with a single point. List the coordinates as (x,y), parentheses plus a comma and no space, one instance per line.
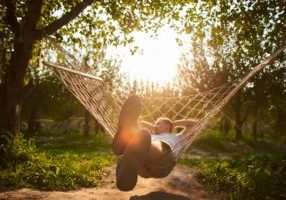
(15,151)
(248,177)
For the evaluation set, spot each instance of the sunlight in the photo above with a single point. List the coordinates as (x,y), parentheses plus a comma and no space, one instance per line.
(156,60)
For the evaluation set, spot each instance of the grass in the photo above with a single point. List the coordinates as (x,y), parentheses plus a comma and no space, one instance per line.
(214,142)
(74,143)
(65,162)
(55,163)
(211,141)
(254,170)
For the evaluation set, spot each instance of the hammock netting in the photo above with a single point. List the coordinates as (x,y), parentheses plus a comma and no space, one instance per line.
(104,103)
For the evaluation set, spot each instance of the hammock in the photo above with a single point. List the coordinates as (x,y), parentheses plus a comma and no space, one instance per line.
(105,103)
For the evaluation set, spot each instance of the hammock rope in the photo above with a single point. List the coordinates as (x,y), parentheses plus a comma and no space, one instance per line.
(104,103)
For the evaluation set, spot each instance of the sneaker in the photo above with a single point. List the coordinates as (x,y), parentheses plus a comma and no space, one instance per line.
(127,124)
(133,158)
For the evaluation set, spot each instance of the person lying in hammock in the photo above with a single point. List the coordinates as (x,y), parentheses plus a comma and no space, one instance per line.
(145,149)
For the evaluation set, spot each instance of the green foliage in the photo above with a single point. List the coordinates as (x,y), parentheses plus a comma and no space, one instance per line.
(228,39)
(59,173)
(15,151)
(56,169)
(245,177)
(212,141)
(49,99)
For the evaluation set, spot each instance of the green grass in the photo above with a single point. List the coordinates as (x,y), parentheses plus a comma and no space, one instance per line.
(254,170)
(57,163)
(260,176)
(74,143)
(65,162)
(213,142)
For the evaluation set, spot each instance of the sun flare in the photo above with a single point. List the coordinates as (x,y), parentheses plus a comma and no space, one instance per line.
(158,59)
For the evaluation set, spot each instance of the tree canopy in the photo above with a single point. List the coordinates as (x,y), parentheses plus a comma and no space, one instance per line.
(24,23)
(229,38)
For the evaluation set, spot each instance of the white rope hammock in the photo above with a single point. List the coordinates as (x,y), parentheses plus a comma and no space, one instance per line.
(105,104)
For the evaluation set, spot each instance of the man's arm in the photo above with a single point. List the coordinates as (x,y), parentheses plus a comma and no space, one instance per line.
(185,123)
(147,125)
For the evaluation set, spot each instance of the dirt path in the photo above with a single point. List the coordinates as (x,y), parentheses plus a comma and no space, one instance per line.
(179,185)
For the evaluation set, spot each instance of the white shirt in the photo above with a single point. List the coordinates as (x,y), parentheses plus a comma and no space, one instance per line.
(170,138)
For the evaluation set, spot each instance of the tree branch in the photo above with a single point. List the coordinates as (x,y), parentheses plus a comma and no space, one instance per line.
(33,15)
(65,19)
(11,16)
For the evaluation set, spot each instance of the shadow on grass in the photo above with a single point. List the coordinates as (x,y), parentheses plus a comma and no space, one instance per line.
(159,196)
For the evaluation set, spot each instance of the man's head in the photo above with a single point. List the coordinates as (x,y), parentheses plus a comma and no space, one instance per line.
(163,125)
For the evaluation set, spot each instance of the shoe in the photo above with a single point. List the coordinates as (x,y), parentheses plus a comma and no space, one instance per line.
(133,158)
(127,124)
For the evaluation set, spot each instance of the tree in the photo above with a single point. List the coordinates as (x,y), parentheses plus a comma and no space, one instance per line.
(236,35)
(26,23)
(48,99)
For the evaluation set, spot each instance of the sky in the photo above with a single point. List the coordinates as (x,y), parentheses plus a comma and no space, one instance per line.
(156,60)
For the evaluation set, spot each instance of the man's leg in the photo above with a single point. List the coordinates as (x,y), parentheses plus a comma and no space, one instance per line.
(127,124)
(160,161)
(134,156)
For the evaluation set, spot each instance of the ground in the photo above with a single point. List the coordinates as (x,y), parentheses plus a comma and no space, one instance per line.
(181,184)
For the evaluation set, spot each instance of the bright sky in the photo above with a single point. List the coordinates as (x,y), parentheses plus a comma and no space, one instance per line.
(156,59)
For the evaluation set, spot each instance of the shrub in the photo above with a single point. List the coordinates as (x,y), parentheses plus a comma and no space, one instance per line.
(15,151)
(248,177)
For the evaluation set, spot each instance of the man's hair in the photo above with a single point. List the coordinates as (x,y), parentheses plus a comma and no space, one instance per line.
(165,120)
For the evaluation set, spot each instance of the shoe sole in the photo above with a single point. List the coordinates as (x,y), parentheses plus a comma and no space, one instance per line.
(128,117)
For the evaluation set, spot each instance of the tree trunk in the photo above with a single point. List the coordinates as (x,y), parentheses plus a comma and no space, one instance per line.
(32,121)
(238,121)
(254,129)
(254,125)
(26,33)
(97,127)
(279,125)
(225,125)
(261,134)
(13,88)
(238,129)
(87,118)
(66,126)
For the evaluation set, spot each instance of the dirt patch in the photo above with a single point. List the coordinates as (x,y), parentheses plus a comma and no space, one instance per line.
(181,184)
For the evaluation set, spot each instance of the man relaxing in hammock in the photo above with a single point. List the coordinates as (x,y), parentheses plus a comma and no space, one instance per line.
(145,149)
